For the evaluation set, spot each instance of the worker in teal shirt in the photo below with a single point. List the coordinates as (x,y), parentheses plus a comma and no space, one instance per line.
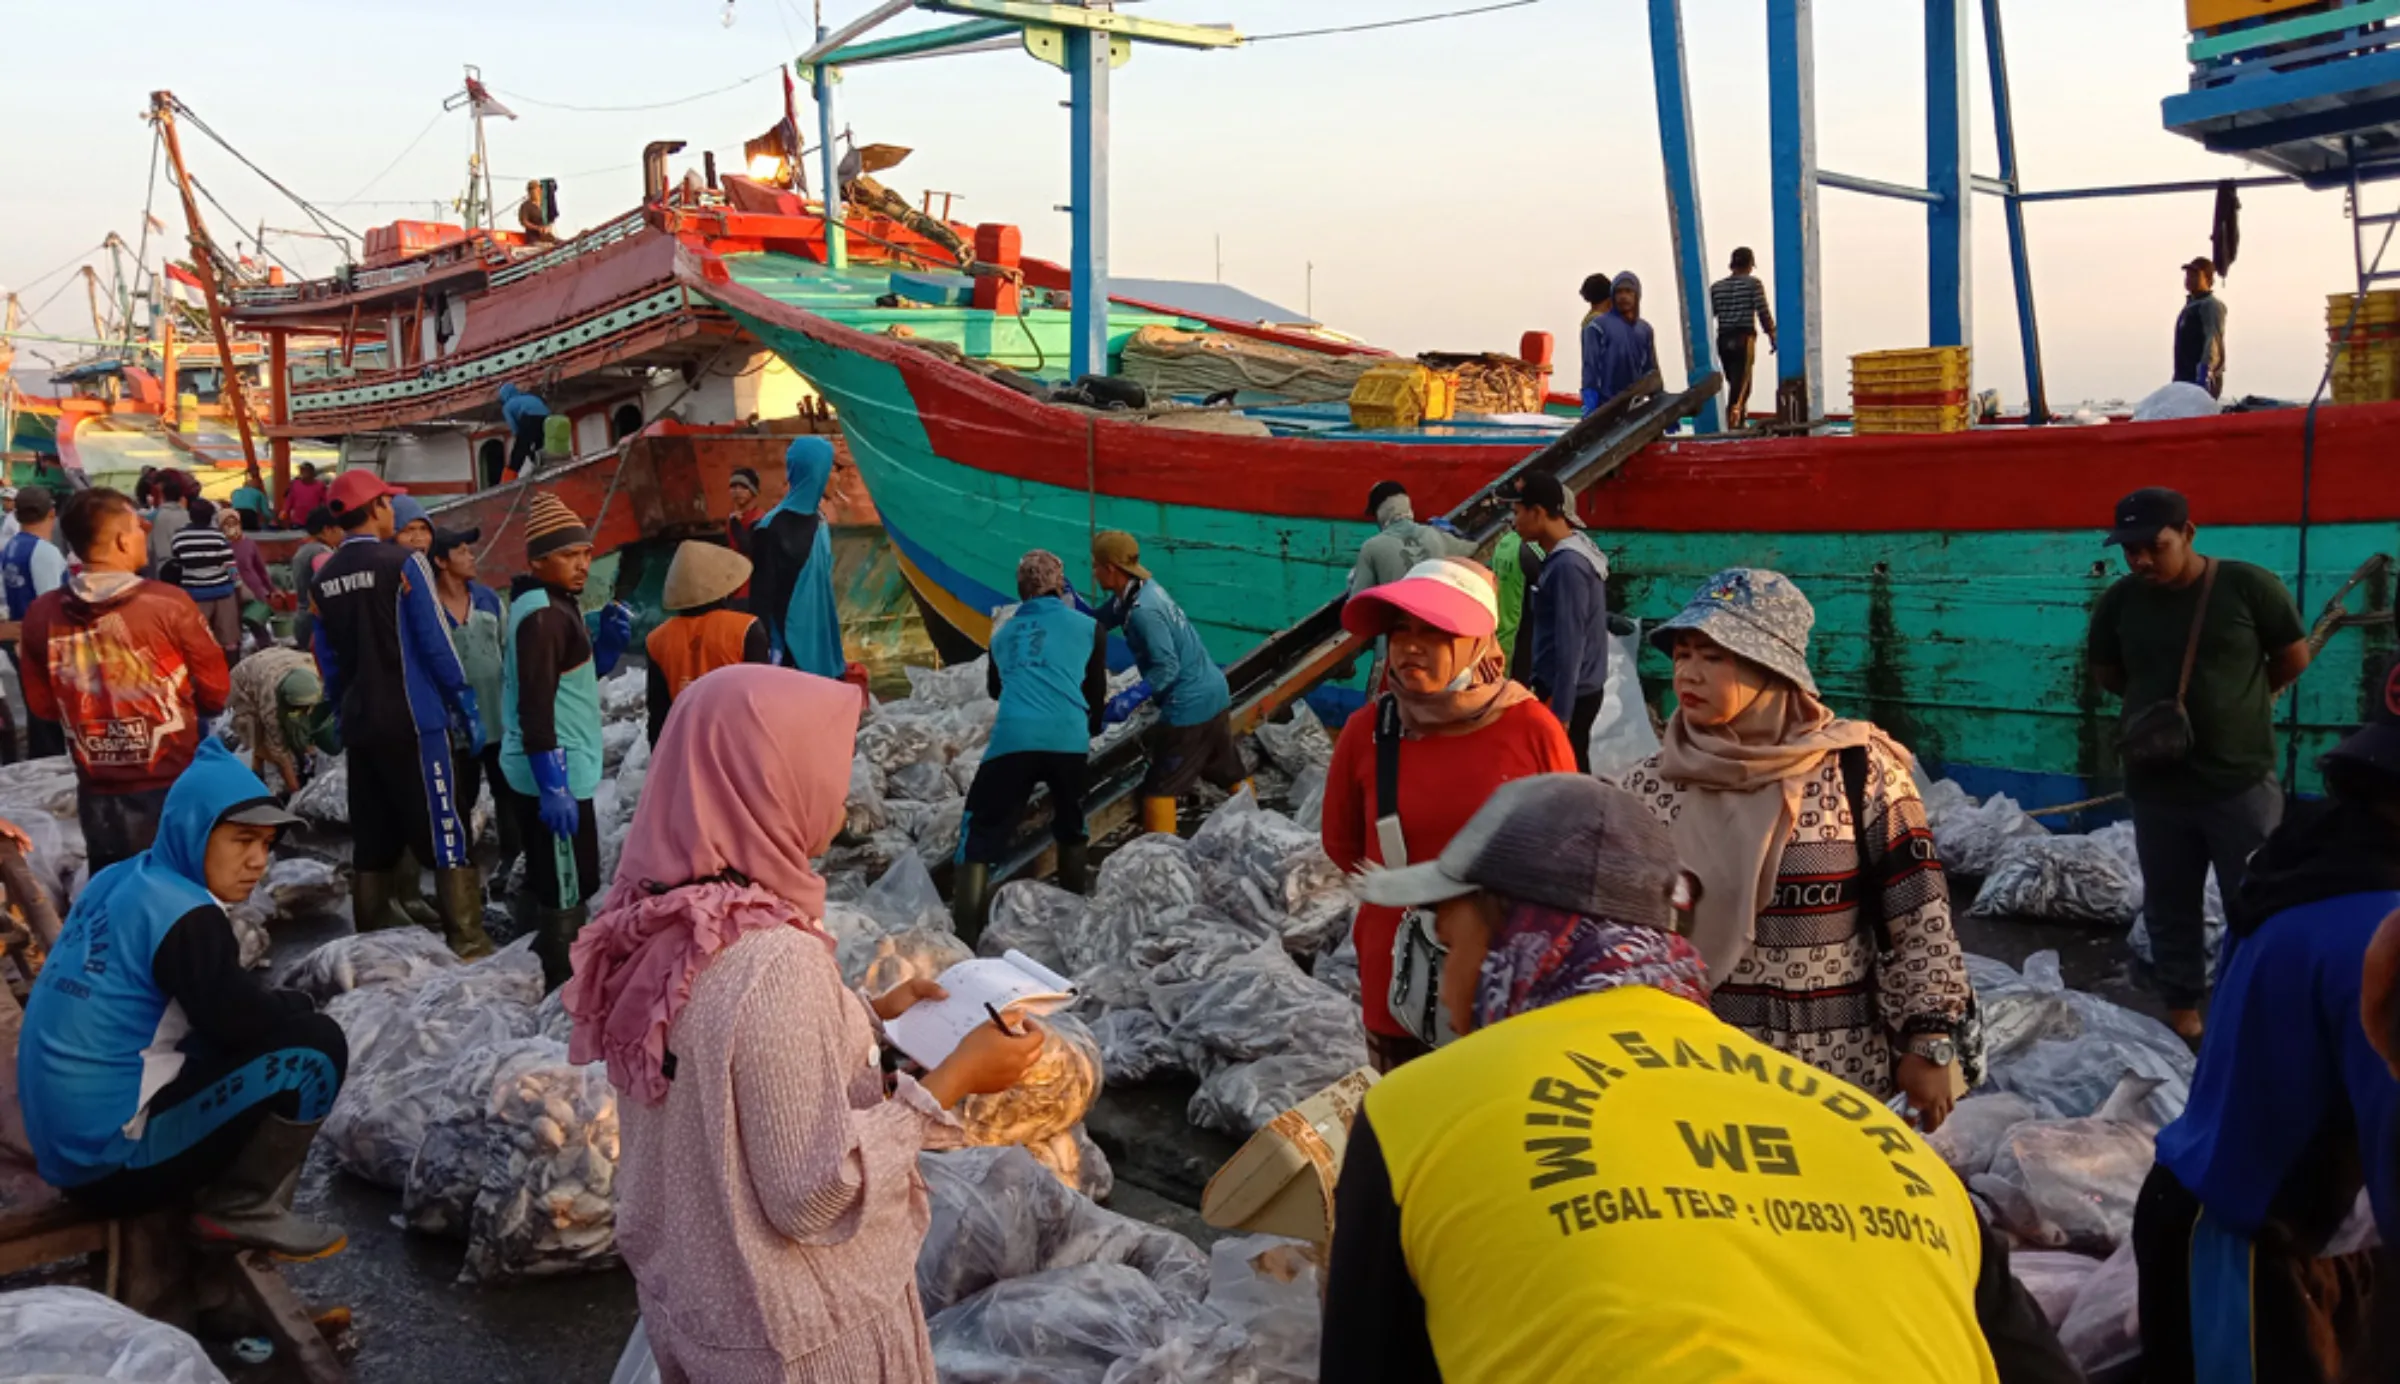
(1194,739)
(1049,668)
(791,582)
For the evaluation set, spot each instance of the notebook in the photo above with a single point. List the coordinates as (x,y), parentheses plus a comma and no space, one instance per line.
(932,1029)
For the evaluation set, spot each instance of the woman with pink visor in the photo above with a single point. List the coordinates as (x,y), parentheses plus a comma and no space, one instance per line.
(1413,765)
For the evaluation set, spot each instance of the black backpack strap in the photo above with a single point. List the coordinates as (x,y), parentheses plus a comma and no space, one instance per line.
(1387,757)
(1870,861)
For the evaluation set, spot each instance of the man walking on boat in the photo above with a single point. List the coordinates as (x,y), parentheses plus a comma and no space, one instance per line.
(2198,647)
(1400,542)
(1193,739)
(1739,302)
(2200,330)
(1567,609)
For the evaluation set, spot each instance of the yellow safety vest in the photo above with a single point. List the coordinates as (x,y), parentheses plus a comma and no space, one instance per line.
(1623,1187)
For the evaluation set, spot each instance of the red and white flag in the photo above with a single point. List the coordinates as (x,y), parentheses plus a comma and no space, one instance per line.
(481,100)
(183,285)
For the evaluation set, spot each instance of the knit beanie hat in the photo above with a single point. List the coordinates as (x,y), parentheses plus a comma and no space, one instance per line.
(551,526)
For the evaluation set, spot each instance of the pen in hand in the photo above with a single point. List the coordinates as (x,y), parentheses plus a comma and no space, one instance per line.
(1001,1023)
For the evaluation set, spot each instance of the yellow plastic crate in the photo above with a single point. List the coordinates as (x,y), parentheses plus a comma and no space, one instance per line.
(1915,371)
(1944,418)
(2381,308)
(1399,394)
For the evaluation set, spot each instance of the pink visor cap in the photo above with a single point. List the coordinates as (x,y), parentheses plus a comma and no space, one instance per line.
(1449,594)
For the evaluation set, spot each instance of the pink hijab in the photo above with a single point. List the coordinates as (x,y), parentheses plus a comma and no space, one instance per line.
(751,776)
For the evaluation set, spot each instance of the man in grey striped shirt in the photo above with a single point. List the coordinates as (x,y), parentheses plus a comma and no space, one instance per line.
(203,563)
(1739,303)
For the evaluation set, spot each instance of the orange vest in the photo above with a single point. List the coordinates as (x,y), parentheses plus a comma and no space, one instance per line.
(689,645)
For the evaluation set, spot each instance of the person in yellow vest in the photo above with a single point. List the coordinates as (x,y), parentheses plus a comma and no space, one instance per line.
(1601,1179)
(706,632)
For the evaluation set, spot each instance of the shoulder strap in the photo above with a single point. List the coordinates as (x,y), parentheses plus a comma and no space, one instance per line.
(2191,643)
(1870,872)
(1387,756)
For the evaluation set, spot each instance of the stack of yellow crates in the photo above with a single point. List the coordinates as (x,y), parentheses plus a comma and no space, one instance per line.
(2363,341)
(1396,395)
(1920,391)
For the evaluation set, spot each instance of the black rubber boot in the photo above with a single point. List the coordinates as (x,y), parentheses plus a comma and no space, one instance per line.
(1074,866)
(371,901)
(460,891)
(970,900)
(250,1203)
(558,927)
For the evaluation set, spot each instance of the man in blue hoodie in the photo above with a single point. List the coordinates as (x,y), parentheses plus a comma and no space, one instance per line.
(2292,1110)
(1193,739)
(526,415)
(1049,668)
(153,1069)
(791,586)
(1566,608)
(1628,349)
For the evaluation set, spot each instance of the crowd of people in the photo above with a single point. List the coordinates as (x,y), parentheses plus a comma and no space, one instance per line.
(1658,1055)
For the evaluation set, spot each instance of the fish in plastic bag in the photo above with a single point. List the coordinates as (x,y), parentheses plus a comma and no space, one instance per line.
(395,956)
(73,1334)
(1267,1287)
(1135,1046)
(864,812)
(1253,1005)
(2103,1330)
(2065,878)
(2054,1278)
(626,696)
(906,897)
(1298,743)
(1972,836)
(997,1214)
(1622,735)
(946,689)
(926,781)
(1244,1097)
(1968,1139)
(325,799)
(2067,1050)
(1034,918)
(919,953)
(447,1175)
(1053,1095)
(47,786)
(1076,1162)
(1061,1326)
(2068,1184)
(1261,867)
(1338,968)
(892,741)
(937,833)
(548,1200)
(1307,796)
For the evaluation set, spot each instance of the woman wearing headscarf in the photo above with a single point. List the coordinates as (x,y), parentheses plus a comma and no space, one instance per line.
(1453,727)
(1601,1170)
(768,1199)
(792,586)
(1825,926)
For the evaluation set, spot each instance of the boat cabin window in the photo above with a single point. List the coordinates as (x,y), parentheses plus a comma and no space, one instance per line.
(491,459)
(624,422)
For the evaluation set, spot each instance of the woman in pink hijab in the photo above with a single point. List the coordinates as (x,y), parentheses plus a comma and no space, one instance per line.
(768,1200)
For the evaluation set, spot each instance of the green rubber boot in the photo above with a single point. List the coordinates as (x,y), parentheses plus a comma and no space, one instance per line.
(970,900)
(461,894)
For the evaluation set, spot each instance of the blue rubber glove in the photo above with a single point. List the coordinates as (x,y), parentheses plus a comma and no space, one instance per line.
(1075,599)
(467,719)
(558,808)
(1443,523)
(1592,400)
(616,631)
(1125,703)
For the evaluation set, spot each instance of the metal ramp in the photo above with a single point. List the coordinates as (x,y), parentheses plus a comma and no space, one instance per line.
(1293,662)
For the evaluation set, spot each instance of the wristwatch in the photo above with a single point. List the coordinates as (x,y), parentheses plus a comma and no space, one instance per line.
(1936,1048)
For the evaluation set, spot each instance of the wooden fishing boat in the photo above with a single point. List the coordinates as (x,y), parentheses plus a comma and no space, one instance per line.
(1953,575)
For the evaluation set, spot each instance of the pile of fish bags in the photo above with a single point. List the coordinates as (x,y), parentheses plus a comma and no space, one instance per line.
(2028,872)
(1022,1279)
(38,795)
(2059,1139)
(916,758)
(1184,960)
(74,1334)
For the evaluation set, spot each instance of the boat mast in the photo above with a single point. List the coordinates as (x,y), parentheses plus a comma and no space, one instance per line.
(476,207)
(163,106)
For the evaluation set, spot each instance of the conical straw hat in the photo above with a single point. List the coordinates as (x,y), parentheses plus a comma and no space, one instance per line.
(703,573)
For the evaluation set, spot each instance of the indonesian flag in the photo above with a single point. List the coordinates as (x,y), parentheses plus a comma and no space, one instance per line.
(480,99)
(183,286)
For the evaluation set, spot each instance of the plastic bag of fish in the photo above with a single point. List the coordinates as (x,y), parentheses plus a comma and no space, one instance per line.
(1034,918)
(548,1200)
(997,1214)
(1050,1099)
(2068,878)
(69,1334)
(1972,836)
(2066,1050)
(395,956)
(325,799)
(1262,868)
(447,1175)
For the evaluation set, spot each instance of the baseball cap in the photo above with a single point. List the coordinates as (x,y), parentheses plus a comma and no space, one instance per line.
(1542,490)
(446,541)
(258,812)
(1450,594)
(1565,841)
(356,490)
(2376,744)
(2201,262)
(1117,548)
(2144,514)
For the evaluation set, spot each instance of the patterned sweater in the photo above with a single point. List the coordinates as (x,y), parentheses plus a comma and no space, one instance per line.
(1813,985)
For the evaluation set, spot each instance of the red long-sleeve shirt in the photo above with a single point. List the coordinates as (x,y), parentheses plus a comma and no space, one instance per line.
(1443,780)
(127,679)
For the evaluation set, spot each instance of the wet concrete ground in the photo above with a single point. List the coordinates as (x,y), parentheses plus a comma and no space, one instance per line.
(417,1325)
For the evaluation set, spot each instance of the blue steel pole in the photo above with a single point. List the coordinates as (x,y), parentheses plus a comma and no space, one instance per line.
(1682,157)
(1949,219)
(1792,143)
(1087,67)
(2020,255)
(837,236)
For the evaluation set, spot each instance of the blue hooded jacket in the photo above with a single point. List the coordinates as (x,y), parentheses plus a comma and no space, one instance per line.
(1186,683)
(792,584)
(1628,350)
(523,412)
(102,1035)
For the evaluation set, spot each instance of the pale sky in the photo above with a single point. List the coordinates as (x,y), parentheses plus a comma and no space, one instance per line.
(1451,183)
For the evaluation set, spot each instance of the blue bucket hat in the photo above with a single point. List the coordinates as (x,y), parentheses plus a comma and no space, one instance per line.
(1757,614)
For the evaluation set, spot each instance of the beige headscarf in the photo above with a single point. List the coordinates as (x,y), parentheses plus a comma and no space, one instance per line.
(1742,783)
(1488,692)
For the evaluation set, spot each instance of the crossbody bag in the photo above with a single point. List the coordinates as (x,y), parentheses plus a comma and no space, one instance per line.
(2159,736)
(1417,954)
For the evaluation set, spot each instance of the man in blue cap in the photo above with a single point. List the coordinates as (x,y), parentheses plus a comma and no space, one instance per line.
(153,1069)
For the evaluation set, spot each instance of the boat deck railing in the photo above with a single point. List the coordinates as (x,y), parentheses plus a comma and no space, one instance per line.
(2266,46)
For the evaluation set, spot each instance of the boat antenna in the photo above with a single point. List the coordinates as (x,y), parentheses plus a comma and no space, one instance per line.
(477,206)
